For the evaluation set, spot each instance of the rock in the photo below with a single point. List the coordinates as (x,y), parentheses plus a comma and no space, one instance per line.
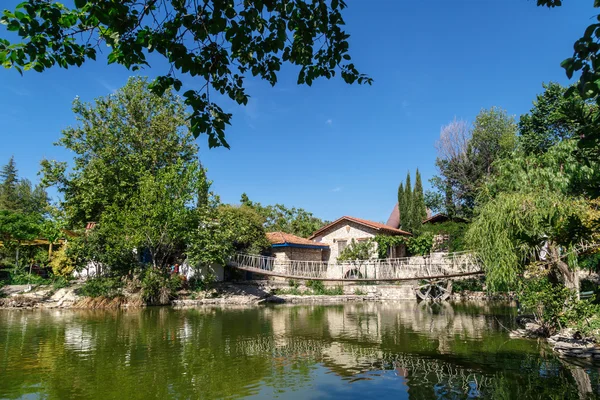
(533,327)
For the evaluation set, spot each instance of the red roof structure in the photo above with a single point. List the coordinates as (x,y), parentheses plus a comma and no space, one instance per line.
(371,224)
(282,238)
(394,218)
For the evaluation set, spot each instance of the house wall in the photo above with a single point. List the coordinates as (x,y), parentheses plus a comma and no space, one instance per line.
(345,230)
(296,253)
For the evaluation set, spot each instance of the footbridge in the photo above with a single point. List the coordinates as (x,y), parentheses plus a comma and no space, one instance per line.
(434,273)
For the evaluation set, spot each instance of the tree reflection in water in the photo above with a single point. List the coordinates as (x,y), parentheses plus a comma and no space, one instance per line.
(354,350)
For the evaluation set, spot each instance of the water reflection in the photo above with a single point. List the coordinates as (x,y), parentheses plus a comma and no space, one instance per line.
(405,349)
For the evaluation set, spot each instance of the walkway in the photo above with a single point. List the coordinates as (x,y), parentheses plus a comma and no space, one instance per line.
(430,268)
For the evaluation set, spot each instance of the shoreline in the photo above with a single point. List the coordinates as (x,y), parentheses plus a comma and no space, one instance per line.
(257,294)
(238,293)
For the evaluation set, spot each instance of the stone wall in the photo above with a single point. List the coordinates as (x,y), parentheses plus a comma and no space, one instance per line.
(296,253)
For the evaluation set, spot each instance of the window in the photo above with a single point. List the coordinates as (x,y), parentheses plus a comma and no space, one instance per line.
(341,245)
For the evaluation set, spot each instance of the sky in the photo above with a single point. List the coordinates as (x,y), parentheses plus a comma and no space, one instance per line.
(336,149)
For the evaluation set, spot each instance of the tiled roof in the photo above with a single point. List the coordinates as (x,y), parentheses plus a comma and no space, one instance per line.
(287,238)
(371,224)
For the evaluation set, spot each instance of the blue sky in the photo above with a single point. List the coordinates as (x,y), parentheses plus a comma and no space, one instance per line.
(332,148)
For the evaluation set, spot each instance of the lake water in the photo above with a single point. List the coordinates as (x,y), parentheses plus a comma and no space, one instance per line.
(399,350)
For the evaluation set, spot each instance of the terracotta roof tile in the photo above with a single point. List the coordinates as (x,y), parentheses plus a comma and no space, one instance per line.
(374,225)
(283,238)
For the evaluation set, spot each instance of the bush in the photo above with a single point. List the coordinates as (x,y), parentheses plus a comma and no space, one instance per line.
(60,282)
(158,288)
(318,287)
(202,284)
(101,287)
(21,276)
(420,245)
(583,316)
(61,264)
(555,307)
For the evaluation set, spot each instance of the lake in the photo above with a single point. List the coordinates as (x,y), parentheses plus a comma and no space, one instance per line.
(401,350)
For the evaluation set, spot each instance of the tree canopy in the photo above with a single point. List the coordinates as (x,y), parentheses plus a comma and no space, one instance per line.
(218,42)
(466,155)
(120,139)
(279,218)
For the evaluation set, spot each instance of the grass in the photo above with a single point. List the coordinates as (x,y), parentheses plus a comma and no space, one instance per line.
(314,288)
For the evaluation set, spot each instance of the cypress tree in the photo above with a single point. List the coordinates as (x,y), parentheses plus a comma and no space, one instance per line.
(420,209)
(9,197)
(401,209)
(407,218)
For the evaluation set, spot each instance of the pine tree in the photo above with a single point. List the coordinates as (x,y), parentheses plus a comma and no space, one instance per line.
(419,201)
(9,197)
(401,209)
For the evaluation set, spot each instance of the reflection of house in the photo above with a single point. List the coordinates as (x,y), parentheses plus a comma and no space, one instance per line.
(340,233)
(286,247)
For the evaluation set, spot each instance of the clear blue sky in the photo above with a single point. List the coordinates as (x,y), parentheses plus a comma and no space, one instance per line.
(332,148)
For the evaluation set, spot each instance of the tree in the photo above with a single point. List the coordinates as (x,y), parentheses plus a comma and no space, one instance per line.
(120,139)
(279,218)
(419,201)
(532,207)
(401,206)
(9,197)
(466,156)
(224,230)
(406,215)
(585,57)
(160,214)
(548,123)
(218,41)
(411,204)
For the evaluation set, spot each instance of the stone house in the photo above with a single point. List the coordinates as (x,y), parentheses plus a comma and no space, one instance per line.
(340,233)
(287,247)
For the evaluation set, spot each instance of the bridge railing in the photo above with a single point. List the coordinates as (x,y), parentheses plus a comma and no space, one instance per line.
(374,269)
(253,261)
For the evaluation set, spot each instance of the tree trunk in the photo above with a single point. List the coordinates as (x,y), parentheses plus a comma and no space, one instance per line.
(569,276)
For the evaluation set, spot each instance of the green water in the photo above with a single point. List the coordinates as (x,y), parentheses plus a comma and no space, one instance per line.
(352,351)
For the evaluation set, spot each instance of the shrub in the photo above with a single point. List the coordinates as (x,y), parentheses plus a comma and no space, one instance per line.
(61,263)
(158,288)
(316,286)
(583,316)
(101,287)
(359,292)
(60,282)
(21,276)
(204,283)
(555,307)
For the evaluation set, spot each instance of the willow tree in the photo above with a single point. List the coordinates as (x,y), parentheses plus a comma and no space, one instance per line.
(532,211)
